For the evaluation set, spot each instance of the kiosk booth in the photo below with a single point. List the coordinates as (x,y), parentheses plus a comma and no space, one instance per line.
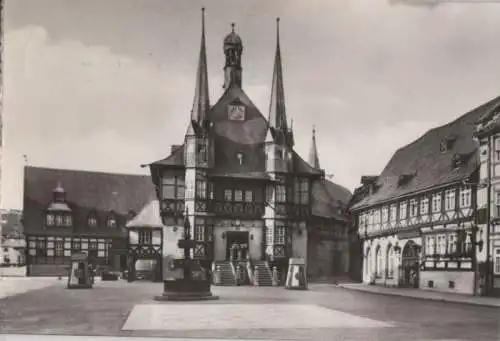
(296,277)
(80,275)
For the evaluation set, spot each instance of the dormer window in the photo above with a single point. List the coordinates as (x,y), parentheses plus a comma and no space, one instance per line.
(50,221)
(92,220)
(59,220)
(111,221)
(447,143)
(405,179)
(67,220)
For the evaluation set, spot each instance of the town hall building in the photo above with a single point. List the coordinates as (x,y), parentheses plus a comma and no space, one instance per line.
(249,197)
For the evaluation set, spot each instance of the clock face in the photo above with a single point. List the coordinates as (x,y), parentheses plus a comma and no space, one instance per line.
(236,112)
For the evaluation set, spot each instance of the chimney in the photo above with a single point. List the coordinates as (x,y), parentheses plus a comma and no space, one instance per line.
(174,147)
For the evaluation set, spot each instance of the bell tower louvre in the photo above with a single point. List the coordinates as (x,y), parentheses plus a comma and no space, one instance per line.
(248,193)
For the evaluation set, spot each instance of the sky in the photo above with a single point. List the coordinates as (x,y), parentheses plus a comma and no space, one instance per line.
(107,85)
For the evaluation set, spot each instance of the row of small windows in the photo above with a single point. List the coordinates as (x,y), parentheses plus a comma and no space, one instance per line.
(448,243)
(415,207)
(66,220)
(175,187)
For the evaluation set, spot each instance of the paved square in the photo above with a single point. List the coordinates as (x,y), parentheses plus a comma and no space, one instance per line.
(242,316)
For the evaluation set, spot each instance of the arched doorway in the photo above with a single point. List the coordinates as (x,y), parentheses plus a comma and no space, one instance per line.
(410,259)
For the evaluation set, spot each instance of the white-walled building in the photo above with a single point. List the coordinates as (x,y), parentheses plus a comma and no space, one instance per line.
(417,218)
(488,251)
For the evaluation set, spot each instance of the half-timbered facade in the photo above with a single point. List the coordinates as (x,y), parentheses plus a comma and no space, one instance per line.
(417,219)
(247,192)
(145,243)
(68,211)
(488,202)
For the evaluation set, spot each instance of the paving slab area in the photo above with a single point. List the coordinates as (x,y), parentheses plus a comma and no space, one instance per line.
(325,312)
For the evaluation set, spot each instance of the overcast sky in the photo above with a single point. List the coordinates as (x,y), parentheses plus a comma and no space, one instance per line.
(108,84)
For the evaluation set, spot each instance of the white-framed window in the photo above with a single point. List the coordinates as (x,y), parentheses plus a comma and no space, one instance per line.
(146,237)
(424,206)
(269,235)
(497,204)
(280,193)
(280,234)
(50,221)
(59,220)
(441,244)
(248,196)
(497,149)
(376,217)
(449,200)
(238,195)
(465,197)
(385,214)
(361,220)
(111,221)
(201,189)
(402,210)
(496,261)
(67,220)
(436,202)
(199,233)
(452,243)
(370,219)
(394,212)
(92,220)
(228,195)
(430,242)
(413,207)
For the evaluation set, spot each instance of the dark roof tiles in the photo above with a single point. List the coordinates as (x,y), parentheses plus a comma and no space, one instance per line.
(427,162)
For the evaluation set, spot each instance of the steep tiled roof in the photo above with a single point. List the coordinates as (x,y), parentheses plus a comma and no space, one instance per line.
(86,192)
(329,200)
(149,216)
(232,137)
(422,165)
(174,159)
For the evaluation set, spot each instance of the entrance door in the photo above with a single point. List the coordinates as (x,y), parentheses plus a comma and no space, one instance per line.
(410,265)
(237,245)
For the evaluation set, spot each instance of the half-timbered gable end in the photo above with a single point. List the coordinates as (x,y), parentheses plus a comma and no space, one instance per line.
(422,206)
(68,211)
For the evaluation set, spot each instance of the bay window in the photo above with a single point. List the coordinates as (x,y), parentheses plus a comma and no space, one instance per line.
(173,187)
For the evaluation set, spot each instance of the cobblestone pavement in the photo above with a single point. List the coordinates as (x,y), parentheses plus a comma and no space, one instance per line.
(322,313)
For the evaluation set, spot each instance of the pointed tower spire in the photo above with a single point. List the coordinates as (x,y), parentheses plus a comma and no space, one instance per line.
(313,153)
(277,112)
(201,103)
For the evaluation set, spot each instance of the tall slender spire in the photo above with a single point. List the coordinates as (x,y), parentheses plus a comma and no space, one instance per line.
(277,112)
(313,152)
(201,103)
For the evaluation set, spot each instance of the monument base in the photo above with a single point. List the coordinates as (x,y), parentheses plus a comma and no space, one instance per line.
(186,290)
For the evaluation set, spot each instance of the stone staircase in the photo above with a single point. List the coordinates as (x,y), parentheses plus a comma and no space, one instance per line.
(226,271)
(263,278)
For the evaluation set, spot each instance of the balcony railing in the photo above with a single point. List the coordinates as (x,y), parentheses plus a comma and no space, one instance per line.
(245,209)
(172,207)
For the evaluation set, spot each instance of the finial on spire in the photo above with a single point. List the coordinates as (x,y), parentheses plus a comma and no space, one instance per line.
(232,26)
(203,20)
(313,152)
(278,31)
